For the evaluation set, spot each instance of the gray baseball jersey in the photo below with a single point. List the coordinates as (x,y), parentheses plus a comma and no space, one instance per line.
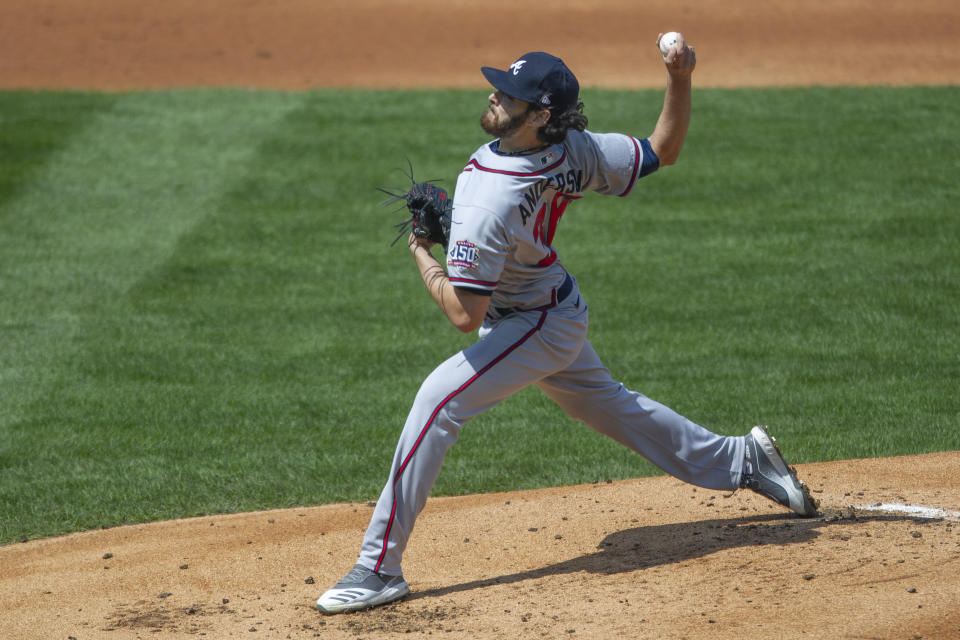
(506,212)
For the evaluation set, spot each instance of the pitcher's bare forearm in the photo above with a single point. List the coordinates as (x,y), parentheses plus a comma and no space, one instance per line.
(463,309)
(671,130)
(674,122)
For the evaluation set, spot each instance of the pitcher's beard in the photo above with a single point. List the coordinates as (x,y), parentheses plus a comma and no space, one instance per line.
(501,128)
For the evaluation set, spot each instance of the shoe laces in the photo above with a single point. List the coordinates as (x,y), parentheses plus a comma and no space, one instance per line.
(357,574)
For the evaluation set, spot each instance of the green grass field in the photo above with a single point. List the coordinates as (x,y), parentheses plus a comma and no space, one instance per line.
(201,312)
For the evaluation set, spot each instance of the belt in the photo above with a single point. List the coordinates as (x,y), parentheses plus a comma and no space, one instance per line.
(559,295)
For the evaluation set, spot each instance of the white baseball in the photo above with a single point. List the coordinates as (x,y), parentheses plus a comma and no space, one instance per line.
(667,41)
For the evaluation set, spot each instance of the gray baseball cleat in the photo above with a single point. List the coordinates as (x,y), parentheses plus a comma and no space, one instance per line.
(360,589)
(766,472)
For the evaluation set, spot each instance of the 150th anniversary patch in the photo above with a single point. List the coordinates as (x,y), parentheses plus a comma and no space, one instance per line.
(463,255)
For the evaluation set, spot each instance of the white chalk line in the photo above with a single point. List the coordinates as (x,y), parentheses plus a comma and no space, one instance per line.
(912,509)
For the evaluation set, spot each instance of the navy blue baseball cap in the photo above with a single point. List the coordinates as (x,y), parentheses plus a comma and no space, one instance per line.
(539,78)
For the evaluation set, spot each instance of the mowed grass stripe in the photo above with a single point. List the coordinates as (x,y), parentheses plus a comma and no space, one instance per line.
(111,204)
(98,217)
(34,127)
(36,131)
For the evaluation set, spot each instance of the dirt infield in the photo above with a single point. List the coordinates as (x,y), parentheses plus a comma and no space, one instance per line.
(650,558)
(297,44)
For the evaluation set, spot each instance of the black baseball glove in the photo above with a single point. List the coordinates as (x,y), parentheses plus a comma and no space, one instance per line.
(430,209)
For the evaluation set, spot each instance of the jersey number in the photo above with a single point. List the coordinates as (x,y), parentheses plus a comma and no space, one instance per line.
(545,226)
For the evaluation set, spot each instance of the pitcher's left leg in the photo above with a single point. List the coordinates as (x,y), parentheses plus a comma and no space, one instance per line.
(679,446)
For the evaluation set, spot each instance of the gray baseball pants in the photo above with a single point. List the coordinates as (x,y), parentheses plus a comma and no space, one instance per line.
(547,348)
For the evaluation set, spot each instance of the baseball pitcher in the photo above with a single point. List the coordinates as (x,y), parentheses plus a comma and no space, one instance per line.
(501,274)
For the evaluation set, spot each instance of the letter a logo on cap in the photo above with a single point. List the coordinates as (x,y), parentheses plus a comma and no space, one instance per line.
(516,66)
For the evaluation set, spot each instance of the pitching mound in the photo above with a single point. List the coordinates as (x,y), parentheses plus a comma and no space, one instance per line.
(650,558)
